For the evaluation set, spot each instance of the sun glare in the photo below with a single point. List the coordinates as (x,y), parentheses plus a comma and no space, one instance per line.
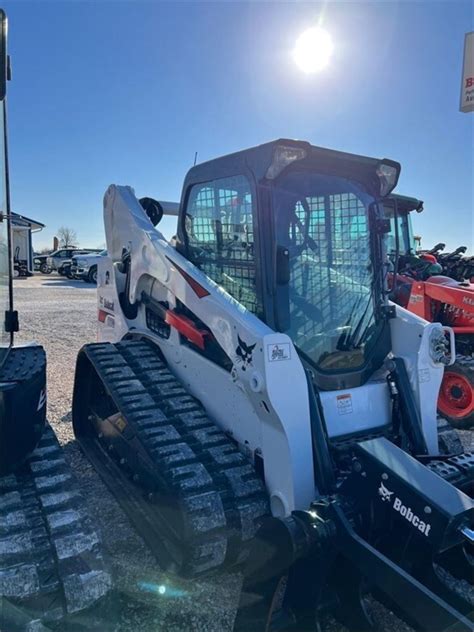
(313,50)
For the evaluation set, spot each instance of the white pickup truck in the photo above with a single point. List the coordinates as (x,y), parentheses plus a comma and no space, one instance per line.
(85,266)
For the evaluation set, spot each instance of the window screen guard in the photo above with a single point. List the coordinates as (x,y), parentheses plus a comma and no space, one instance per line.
(220,233)
(323,221)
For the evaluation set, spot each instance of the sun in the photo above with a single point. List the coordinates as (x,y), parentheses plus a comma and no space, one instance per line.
(313,50)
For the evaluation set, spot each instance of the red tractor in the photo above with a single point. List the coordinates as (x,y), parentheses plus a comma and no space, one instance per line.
(419,287)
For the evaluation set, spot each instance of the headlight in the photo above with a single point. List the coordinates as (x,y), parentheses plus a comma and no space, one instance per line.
(282,157)
(81,263)
(388,177)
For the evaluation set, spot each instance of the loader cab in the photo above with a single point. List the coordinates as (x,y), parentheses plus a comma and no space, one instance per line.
(294,233)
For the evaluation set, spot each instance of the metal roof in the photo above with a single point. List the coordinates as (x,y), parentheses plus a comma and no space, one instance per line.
(22,220)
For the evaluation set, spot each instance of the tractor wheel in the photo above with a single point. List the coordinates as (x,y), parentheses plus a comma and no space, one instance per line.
(456,396)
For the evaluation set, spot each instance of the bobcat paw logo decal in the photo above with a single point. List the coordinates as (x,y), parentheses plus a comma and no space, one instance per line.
(244,353)
(384,493)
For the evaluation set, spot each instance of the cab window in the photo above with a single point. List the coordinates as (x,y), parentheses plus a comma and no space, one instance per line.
(219,230)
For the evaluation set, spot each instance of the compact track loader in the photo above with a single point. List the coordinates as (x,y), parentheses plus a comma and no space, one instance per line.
(256,402)
(421,286)
(52,571)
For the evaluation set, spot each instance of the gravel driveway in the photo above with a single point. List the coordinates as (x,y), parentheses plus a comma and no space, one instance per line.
(61,315)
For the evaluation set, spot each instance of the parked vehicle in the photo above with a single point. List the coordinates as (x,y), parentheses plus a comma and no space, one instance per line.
(57,259)
(65,269)
(40,263)
(85,266)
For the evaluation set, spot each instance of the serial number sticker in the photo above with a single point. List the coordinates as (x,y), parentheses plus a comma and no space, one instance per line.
(279,352)
(424,375)
(344,404)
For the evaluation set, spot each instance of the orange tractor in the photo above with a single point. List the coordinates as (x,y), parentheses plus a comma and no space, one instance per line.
(419,287)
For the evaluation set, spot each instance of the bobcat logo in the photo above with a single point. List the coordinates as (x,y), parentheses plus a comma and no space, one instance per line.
(244,353)
(384,493)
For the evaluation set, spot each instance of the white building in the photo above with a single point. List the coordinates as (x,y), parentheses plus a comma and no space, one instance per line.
(22,229)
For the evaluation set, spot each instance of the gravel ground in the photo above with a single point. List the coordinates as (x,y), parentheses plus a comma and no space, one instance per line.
(61,315)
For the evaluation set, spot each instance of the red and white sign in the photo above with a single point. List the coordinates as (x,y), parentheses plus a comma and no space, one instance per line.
(467,86)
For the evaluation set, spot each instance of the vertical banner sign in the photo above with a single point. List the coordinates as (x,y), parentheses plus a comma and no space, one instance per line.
(467,86)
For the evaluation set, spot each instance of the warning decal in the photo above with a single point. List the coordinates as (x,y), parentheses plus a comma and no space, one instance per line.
(344,404)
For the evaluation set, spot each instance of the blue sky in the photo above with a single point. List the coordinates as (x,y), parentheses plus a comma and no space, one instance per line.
(126,92)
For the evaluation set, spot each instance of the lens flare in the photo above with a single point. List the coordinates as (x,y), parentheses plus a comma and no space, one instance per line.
(171,592)
(313,50)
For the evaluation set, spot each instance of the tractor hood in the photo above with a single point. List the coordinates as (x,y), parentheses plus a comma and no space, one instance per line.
(465,286)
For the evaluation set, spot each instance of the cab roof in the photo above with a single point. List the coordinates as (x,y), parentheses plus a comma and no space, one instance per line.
(258,159)
(406,204)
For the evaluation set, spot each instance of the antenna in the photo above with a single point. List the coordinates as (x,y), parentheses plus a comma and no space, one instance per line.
(195,158)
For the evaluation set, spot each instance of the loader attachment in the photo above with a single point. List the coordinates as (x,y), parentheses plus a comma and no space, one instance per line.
(395,529)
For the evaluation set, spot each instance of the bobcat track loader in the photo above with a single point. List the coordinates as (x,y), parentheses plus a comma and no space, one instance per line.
(256,402)
(52,571)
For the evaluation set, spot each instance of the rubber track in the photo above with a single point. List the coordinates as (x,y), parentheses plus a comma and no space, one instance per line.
(51,564)
(220,496)
(458,470)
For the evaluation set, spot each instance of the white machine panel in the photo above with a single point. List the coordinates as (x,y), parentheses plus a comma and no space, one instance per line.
(357,409)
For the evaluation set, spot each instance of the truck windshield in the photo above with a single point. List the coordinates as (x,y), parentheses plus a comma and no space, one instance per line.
(323,221)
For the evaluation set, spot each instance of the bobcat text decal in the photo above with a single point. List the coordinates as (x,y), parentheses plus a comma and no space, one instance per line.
(406,512)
